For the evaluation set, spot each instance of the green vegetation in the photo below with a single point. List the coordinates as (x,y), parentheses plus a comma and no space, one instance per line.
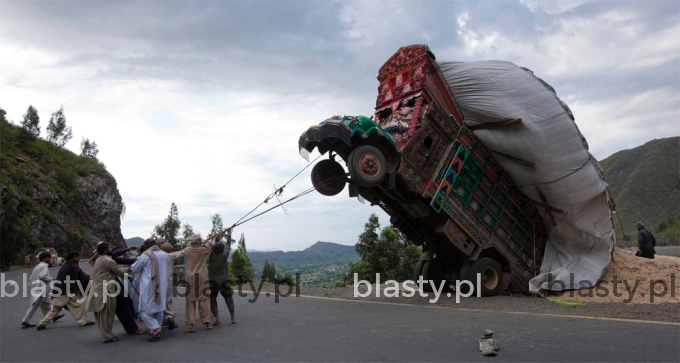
(268,272)
(31,122)
(322,264)
(27,165)
(667,232)
(645,184)
(169,229)
(566,303)
(57,131)
(240,268)
(390,254)
(285,279)
(88,148)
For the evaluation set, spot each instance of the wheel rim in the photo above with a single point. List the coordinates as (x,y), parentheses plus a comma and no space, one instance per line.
(490,278)
(369,165)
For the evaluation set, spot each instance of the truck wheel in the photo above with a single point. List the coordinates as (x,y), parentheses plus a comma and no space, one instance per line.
(432,271)
(491,276)
(367,166)
(418,271)
(328,177)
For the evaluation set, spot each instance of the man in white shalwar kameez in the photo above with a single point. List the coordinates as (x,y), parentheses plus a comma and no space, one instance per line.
(151,270)
(40,289)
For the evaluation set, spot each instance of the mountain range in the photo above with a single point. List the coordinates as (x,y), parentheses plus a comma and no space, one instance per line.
(646,185)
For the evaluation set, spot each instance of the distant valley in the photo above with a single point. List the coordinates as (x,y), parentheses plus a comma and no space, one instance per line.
(322,263)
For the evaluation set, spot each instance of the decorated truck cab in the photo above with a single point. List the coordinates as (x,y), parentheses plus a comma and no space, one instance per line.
(417,160)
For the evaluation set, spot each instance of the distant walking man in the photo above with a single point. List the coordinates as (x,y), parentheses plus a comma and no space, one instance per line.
(218,270)
(646,242)
(197,281)
(39,294)
(152,271)
(70,284)
(101,300)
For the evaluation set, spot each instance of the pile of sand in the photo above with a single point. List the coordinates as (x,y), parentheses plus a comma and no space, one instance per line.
(636,276)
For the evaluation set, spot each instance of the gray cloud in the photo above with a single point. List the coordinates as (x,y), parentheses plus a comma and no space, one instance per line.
(290,64)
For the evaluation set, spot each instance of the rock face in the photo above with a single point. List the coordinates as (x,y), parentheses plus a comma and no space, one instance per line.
(52,197)
(96,215)
(87,206)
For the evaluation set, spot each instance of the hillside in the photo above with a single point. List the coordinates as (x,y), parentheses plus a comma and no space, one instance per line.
(134,241)
(322,261)
(53,197)
(645,183)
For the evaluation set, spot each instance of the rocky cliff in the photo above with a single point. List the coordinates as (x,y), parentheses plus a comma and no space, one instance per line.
(96,215)
(52,197)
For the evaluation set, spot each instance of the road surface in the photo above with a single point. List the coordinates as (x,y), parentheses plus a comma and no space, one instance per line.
(325,330)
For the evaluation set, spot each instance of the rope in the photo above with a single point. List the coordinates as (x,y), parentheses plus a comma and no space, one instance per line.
(276,192)
(625,238)
(533,220)
(325,182)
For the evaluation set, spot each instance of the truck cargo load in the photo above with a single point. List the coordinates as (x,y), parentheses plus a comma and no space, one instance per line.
(480,206)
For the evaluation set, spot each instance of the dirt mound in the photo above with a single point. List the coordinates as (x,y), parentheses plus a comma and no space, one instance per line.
(632,279)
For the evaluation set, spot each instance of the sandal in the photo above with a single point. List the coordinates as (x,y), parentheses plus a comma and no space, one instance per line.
(112,340)
(89,323)
(191,329)
(154,337)
(209,326)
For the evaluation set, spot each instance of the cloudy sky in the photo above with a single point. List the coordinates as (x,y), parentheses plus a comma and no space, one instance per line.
(202,103)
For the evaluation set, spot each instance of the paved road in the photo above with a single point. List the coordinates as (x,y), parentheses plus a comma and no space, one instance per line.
(324,330)
(668,250)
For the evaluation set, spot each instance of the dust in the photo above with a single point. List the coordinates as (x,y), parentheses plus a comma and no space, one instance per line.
(635,278)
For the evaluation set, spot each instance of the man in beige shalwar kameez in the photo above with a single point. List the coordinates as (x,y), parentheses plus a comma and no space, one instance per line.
(103,277)
(197,281)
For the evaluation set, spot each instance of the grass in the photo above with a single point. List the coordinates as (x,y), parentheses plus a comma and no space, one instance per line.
(566,303)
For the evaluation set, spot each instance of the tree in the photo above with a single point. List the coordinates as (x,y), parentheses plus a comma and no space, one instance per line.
(242,253)
(242,244)
(286,279)
(187,232)
(57,131)
(216,224)
(269,271)
(241,268)
(88,148)
(169,229)
(389,253)
(31,122)
(369,237)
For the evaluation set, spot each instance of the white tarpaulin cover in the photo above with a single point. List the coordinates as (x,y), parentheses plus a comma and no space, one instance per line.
(579,246)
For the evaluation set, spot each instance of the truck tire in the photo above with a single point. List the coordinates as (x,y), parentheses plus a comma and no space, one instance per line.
(328,177)
(367,166)
(432,271)
(491,273)
(418,271)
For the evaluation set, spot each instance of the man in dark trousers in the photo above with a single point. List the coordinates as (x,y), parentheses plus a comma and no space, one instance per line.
(646,242)
(218,271)
(71,283)
(125,310)
(124,307)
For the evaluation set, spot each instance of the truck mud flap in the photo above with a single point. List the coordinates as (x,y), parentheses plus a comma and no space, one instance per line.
(324,136)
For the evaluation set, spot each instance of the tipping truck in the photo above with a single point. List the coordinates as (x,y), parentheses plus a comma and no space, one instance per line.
(417,160)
